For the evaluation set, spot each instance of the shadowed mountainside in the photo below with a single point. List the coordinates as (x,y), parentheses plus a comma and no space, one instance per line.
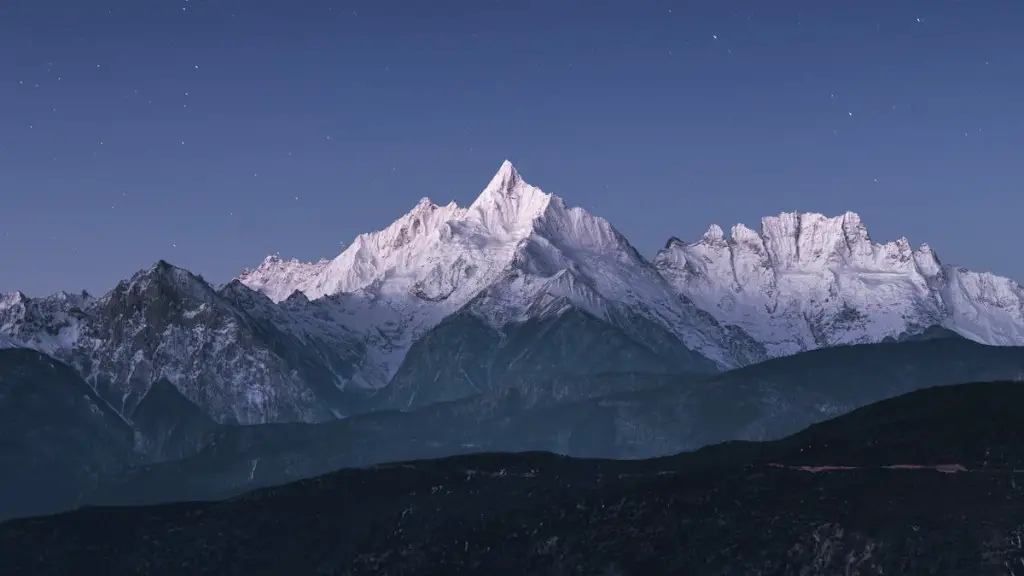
(655,416)
(57,437)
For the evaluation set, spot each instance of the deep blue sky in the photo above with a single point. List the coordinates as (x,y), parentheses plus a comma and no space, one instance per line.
(213,132)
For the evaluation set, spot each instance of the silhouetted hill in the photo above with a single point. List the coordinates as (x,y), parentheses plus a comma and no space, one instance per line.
(57,437)
(633,416)
(952,505)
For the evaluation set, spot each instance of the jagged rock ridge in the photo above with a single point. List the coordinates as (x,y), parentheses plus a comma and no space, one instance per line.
(232,352)
(806,281)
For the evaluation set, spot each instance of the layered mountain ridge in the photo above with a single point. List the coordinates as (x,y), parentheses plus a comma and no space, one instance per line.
(925,483)
(452,301)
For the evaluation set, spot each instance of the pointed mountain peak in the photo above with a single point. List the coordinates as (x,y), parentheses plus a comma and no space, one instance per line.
(853,227)
(297,297)
(161,270)
(16,296)
(714,234)
(165,270)
(673,242)
(508,202)
(851,217)
(168,276)
(425,205)
(421,222)
(505,179)
(741,234)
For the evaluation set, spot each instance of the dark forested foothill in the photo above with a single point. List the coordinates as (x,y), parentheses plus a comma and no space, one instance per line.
(928,483)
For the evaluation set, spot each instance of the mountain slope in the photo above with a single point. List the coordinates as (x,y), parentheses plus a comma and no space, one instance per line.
(464,356)
(57,437)
(738,508)
(806,281)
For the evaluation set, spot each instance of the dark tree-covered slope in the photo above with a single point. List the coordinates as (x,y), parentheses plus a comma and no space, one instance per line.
(928,483)
(57,437)
(632,416)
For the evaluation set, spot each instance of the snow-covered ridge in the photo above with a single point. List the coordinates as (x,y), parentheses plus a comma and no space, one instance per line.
(806,280)
(425,242)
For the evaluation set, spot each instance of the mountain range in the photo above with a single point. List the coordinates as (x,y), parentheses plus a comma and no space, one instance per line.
(432,386)
(449,302)
(610,415)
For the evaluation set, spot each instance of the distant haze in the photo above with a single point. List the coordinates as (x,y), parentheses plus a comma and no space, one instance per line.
(213,133)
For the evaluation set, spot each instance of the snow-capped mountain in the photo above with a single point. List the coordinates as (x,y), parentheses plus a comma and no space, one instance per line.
(238,358)
(515,254)
(806,281)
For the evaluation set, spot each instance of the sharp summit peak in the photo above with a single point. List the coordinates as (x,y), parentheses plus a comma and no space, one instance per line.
(505,178)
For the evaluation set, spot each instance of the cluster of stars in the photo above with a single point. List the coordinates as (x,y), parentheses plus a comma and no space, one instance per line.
(189,94)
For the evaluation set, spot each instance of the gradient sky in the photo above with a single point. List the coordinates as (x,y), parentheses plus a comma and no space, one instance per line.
(213,132)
